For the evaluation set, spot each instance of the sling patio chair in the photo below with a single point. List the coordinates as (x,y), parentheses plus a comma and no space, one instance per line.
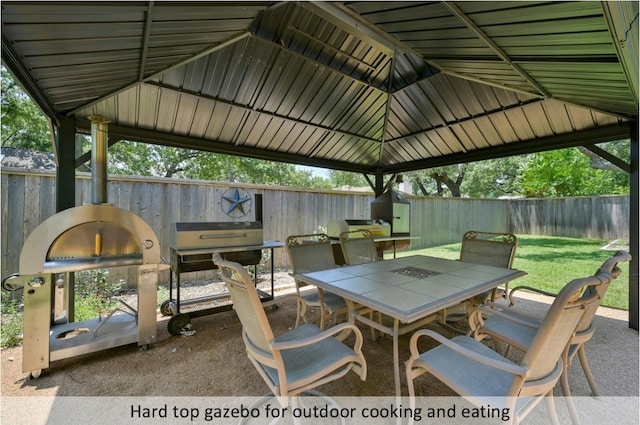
(489,249)
(310,253)
(358,247)
(301,359)
(515,328)
(483,376)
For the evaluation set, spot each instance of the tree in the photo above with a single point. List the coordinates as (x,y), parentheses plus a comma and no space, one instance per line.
(345,178)
(23,123)
(568,172)
(143,159)
(439,181)
(495,177)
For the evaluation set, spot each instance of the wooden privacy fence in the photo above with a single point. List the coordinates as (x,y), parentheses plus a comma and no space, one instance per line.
(28,198)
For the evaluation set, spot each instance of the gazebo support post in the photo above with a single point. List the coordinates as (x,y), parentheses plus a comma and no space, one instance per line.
(633,231)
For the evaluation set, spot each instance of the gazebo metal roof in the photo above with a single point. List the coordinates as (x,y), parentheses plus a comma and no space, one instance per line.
(372,87)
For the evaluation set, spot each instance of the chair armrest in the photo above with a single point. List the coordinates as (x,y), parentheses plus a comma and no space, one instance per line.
(530,289)
(478,316)
(504,365)
(301,305)
(510,314)
(329,333)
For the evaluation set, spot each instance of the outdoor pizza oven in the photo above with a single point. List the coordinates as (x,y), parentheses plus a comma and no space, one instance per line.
(88,237)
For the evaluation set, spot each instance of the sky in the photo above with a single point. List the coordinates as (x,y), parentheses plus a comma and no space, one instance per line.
(318,172)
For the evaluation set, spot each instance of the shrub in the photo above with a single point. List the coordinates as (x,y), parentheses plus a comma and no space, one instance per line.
(95,295)
(11,319)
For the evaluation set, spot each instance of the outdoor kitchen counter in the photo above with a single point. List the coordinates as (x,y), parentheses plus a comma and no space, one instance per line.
(265,245)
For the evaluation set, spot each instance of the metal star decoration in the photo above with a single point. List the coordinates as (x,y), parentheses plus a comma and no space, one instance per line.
(236,202)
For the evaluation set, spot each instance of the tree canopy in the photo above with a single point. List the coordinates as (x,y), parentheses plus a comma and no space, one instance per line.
(23,124)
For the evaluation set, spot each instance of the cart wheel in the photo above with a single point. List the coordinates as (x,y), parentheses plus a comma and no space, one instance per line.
(166,308)
(177,322)
(35,374)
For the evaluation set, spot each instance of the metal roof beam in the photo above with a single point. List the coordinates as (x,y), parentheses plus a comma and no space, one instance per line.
(484,82)
(191,58)
(469,118)
(145,40)
(561,141)
(316,62)
(118,132)
(620,19)
(618,162)
(492,44)
(23,75)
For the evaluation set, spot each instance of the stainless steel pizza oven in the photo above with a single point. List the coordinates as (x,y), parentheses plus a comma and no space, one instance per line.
(87,237)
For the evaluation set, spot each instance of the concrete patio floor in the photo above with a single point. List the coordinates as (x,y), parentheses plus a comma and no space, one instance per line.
(212,363)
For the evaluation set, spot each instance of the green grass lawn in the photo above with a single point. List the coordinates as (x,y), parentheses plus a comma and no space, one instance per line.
(551,262)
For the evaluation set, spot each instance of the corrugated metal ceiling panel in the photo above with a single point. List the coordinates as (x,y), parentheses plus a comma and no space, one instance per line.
(476,39)
(392,83)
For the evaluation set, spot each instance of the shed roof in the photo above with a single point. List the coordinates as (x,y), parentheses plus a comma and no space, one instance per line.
(372,87)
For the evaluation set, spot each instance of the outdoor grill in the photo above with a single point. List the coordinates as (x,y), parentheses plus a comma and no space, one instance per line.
(393,208)
(390,225)
(193,243)
(336,227)
(87,237)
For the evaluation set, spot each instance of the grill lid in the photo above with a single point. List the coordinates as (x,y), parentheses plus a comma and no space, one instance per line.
(196,235)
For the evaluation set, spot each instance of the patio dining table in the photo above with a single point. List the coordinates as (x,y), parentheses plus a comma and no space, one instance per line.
(412,290)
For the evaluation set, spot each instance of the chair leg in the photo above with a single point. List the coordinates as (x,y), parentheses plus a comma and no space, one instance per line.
(412,390)
(412,394)
(566,391)
(582,355)
(322,318)
(298,315)
(564,381)
(551,408)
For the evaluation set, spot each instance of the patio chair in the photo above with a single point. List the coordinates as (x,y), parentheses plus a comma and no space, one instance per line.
(297,361)
(517,329)
(484,376)
(489,249)
(310,253)
(358,247)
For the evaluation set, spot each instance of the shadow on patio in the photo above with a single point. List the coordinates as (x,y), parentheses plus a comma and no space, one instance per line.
(213,363)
